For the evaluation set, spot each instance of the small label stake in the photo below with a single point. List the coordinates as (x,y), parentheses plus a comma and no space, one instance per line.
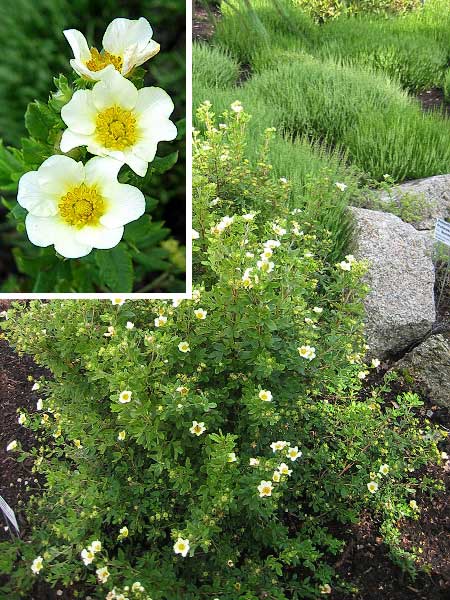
(9,514)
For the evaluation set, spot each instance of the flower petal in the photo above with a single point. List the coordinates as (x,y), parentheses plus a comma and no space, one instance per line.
(139,165)
(59,173)
(79,45)
(82,70)
(33,198)
(133,56)
(102,171)
(114,90)
(99,237)
(72,140)
(79,113)
(44,232)
(154,102)
(125,204)
(122,33)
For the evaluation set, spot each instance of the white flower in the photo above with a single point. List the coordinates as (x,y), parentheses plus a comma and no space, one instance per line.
(36,386)
(362,375)
(372,486)
(284,469)
(247,281)
(308,352)
(130,325)
(160,321)
(102,574)
(344,266)
(118,301)
(111,331)
(265,488)
(413,504)
(350,258)
(121,436)
(265,395)
(237,107)
(77,207)
(116,119)
(318,310)
(200,313)
(341,186)
(232,457)
(265,266)
(4,314)
(87,556)
(276,476)
(22,419)
(272,244)
(325,589)
(39,404)
(197,428)
(137,587)
(126,45)
(125,397)
(184,347)
(95,546)
(181,546)
(254,462)
(278,229)
(195,234)
(123,532)
(384,469)
(283,180)
(278,445)
(375,363)
(37,564)
(11,446)
(293,453)
(248,217)
(266,253)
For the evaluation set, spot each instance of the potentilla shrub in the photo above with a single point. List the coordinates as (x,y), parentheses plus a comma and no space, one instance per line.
(324,10)
(209,448)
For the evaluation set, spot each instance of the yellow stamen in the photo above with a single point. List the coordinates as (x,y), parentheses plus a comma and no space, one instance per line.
(82,206)
(116,128)
(99,61)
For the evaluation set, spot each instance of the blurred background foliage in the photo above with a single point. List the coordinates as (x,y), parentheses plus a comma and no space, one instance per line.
(34,50)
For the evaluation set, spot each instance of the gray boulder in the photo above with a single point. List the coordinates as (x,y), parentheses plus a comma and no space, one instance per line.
(433,195)
(400,305)
(429,365)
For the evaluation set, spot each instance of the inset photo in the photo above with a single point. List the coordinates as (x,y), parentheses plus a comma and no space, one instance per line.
(92,151)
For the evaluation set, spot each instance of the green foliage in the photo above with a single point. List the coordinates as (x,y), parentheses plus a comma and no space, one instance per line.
(447,86)
(214,67)
(324,10)
(244,328)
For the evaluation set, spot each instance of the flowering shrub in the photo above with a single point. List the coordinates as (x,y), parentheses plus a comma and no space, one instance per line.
(323,10)
(72,204)
(207,448)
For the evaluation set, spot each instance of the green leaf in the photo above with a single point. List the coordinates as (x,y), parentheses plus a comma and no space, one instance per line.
(161,164)
(39,120)
(116,269)
(34,153)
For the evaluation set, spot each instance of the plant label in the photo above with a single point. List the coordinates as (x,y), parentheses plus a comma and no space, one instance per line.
(9,514)
(442,231)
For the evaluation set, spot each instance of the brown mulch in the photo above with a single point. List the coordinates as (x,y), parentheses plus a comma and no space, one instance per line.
(202,27)
(434,100)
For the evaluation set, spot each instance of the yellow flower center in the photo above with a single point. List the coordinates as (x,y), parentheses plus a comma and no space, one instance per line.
(266,490)
(99,61)
(82,206)
(116,128)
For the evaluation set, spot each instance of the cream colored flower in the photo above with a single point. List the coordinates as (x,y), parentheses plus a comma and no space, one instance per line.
(77,444)
(265,266)
(284,469)
(318,310)
(325,589)
(372,486)
(39,404)
(237,107)
(125,397)
(293,453)
(265,488)
(22,419)
(87,556)
(123,533)
(197,428)
(116,119)
(77,207)
(181,546)
(102,574)
(277,446)
(200,313)
(276,476)
(308,352)
(254,462)
(265,395)
(160,321)
(130,325)
(384,469)
(413,504)
(118,301)
(95,546)
(122,435)
(11,446)
(111,331)
(37,564)
(184,347)
(137,587)
(272,244)
(344,266)
(232,457)
(375,363)
(341,186)
(126,45)
(195,234)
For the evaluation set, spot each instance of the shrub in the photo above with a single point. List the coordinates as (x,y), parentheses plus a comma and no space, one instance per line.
(323,10)
(162,422)
(214,67)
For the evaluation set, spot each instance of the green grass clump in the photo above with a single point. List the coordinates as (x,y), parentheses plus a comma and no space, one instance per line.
(214,67)
(379,127)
